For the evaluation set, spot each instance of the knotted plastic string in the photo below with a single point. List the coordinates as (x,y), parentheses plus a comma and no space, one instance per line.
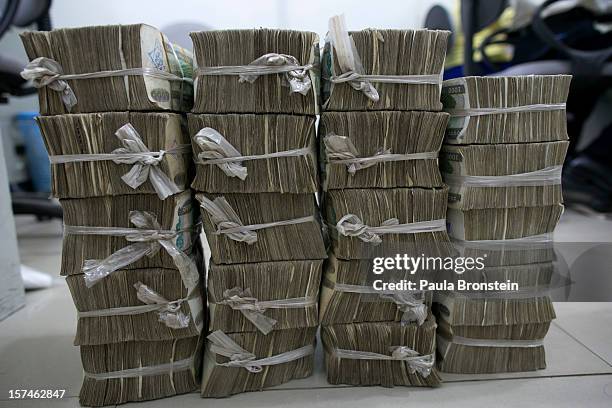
(544,177)
(242,300)
(134,151)
(167,368)
(413,308)
(148,238)
(352,69)
(348,58)
(297,79)
(253,309)
(44,71)
(224,217)
(539,107)
(295,75)
(221,344)
(351,226)
(170,314)
(47,72)
(144,167)
(341,150)
(169,311)
(228,223)
(416,363)
(216,150)
(215,146)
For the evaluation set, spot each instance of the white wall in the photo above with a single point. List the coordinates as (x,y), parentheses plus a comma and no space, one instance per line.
(299,14)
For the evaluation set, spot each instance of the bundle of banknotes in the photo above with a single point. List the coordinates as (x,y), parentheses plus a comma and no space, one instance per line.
(382,69)
(256,71)
(108,68)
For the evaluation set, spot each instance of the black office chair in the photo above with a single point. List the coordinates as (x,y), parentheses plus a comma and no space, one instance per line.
(475,16)
(590,65)
(437,18)
(24,13)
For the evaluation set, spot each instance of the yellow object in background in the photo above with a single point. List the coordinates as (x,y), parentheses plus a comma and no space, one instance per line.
(495,52)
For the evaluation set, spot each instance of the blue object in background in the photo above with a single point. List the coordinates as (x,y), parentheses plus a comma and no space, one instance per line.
(39,167)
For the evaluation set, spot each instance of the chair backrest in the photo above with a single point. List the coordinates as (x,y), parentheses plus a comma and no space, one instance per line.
(476,15)
(438,19)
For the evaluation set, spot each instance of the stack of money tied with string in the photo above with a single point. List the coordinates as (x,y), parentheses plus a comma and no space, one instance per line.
(121,168)
(252,131)
(380,134)
(502,157)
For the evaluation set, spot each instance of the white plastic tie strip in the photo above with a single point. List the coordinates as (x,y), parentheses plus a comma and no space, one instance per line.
(253,309)
(216,150)
(221,344)
(47,72)
(387,79)
(465,341)
(547,176)
(352,69)
(410,304)
(295,75)
(148,238)
(168,368)
(223,216)
(134,151)
(524,293)
(540,107)
(341,150)
(351,226)
(416,363)
(542,241)
(169,311)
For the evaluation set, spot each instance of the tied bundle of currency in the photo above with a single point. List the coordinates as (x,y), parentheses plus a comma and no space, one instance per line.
(482,310)
(488,224)
(115,153)
(500,348)
(274,153)
(348,295)
(106,234)
(253,361)
(136,305)
(108,68)
(365,223)
(388,354)
(264,296)
(256,71)
(520,251)
(139,370)
(242,228)
(516,109)
(533,279)
(376,69)
(381,149)
(504,175)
